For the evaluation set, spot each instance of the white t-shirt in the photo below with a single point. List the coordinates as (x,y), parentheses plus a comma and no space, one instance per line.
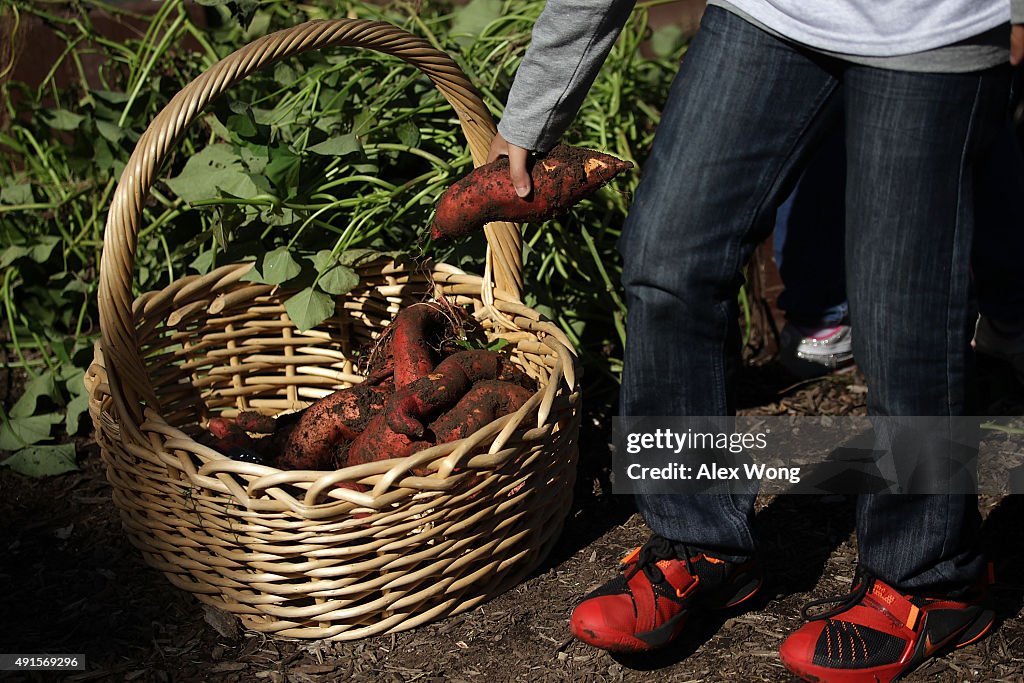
(878,28)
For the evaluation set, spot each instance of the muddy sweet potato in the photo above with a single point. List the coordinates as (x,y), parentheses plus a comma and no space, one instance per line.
(256,422)
(410,407)
(560,179)
(413,335)
(226,434)
(380,442)
(485,402)
(313,441)
(231,439)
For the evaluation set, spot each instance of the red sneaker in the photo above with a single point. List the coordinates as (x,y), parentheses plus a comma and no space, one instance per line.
(878,634)
(662,583)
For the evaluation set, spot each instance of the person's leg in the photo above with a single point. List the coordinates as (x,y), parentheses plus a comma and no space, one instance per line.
(913,142)
(744,110)
(809,229)
(998,249)
(999,239)
(809,253)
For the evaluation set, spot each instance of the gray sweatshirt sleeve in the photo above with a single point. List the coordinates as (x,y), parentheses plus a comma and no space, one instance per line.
(571,40)
(1017,11)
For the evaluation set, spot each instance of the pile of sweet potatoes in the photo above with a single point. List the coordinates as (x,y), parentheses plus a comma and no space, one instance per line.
(421,390)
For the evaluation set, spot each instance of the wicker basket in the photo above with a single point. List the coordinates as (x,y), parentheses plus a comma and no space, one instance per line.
(287,551)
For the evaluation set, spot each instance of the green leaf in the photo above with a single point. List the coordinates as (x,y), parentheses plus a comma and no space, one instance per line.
(75,409)
(665,40)
(364,121)
(253,275)
(279,266)
(12,254)
(283,167)
(38,387)
(76,285)
(264,117)
(471,19)
(339,280)
(111,96)
(254,157)
(285,73)
(353,257)
(218,128)
(110,131)
(323,260)
(243,125)
(19,193)
(43,461)
(338,146)
(62,119)
(79,404)
(203,263)
(216,169)
(409,133)
(40,252)
(103,157)
(309,308)
(24,431)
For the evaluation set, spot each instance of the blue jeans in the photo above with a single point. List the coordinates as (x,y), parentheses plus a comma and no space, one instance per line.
(744,114)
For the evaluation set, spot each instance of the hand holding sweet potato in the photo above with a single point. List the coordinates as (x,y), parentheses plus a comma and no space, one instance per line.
(560,179)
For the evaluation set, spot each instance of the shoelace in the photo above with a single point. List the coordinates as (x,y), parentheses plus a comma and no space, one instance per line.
(655,549)
(862,583)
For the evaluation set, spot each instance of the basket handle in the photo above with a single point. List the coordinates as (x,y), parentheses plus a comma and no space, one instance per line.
(120,238)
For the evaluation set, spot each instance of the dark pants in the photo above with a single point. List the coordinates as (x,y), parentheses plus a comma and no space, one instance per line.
(745,113)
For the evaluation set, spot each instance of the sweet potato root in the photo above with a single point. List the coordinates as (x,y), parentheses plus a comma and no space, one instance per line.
(485,402)
(411,406)
(560,179)
(327,424)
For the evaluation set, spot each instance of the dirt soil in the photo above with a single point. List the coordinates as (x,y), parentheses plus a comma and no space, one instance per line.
(73,584)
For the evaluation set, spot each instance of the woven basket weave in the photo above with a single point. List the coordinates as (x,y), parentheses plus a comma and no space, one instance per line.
(287,551)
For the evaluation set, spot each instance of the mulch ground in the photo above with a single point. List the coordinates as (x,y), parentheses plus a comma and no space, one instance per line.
(73,584)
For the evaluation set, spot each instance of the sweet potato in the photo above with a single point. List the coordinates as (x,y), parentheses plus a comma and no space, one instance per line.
(411,406)
(484,403)
(256,422)
(231,439)
(413,335)
(560,179)
(227,435)
(380,442)
(326,424)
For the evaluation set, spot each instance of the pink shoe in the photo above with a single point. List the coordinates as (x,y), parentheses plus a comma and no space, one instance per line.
(809,351)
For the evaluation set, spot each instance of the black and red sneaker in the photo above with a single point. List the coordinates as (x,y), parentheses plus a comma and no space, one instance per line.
(662,583)
(877,634)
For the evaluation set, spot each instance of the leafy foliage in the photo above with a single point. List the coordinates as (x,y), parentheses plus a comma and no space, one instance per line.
(303,169)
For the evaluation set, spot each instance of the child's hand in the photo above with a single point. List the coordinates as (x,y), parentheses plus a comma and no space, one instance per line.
(517,157)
